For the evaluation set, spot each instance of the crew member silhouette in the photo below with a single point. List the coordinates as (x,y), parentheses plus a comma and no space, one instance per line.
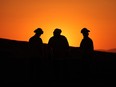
(58,44)
(35,42)
(36,51)
(59,47)
(86,43)
(87,49)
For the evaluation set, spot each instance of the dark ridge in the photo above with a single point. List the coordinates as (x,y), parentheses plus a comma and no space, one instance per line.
(16,66)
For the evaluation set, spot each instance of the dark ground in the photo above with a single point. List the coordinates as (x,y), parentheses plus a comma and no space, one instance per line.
(17,65)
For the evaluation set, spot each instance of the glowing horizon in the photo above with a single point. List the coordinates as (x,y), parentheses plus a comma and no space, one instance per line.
(19,18)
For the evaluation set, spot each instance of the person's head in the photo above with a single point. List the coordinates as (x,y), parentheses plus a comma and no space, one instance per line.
(57,32)
(85,32)
(38,31)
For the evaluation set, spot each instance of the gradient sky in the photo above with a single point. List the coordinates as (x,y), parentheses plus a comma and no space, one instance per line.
(19,18)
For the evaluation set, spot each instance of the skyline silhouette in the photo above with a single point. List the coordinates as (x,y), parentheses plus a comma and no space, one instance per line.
(19,18)
(58,42)
(112,50)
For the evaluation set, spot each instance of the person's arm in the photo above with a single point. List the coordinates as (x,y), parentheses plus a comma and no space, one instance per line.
(50,47)
(66,42)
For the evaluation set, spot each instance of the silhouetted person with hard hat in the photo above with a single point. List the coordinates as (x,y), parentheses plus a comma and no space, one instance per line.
(59,44)
(86,43)
(87,49)
(59,47)
(36,51)
(35,42)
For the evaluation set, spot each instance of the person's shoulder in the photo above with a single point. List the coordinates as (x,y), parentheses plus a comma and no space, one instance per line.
(51,38)
(90,38)
(62,36)
(31,38)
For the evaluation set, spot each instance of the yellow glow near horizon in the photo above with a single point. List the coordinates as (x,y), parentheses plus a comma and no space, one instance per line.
(19,18)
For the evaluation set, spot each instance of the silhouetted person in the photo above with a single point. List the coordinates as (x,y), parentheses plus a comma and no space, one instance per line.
(35,42)
(59,47)
(87,49)
(36,51)
(86,43)
(59,44)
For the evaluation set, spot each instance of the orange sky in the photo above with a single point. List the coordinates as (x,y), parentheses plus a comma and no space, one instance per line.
(19,18)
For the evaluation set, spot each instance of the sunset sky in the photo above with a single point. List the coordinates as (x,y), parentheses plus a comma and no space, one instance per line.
(19,18)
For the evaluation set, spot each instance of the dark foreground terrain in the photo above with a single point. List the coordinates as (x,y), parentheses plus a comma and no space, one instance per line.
(19,67)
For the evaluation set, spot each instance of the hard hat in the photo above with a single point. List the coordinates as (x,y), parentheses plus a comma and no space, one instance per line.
(85,30)
(38,30)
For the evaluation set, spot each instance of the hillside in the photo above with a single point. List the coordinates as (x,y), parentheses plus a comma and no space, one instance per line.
(112,50)
(17,61)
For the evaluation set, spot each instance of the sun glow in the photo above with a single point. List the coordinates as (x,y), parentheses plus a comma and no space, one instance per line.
(19,18)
